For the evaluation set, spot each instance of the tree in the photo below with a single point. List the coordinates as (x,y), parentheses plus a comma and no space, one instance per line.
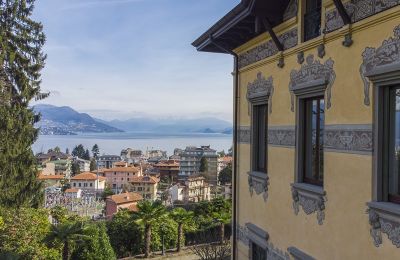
(22,234)
(94,244)
(57,149)
(93,165)
(222,218)
(221,153)
(79,151)
(203,164)
(181,217)
(21,60)
(67,151)
(87,155)
(75,169)
(67,234)
(107,192)
(225,175)
(95,151)
(59,213)
(148,215)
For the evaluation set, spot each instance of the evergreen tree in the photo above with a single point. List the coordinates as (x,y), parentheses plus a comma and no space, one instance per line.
(87,155)
(93,166)
(203,164)
(225,175)
(75,169)
(67,151)
(79,151)
(95,151)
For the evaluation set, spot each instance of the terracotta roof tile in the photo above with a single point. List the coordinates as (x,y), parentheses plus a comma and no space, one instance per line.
(51,177)
(88,176)
(72,190)
(125,197)
(145,179)
(122,169)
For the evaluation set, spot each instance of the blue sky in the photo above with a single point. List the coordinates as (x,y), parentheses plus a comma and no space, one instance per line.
(128,58)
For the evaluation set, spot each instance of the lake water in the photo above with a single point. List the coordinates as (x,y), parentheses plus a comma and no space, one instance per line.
(113,143)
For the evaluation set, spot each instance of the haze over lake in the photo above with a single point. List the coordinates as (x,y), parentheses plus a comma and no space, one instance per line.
(113,143)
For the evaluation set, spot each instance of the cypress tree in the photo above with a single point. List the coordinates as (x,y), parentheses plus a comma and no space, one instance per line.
(21,60)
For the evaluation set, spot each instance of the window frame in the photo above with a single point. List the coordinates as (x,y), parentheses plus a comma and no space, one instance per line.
(254,131)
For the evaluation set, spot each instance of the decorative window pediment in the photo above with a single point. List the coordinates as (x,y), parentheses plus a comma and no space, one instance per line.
(258,183)
(311,74)
(261,88)
(380,60)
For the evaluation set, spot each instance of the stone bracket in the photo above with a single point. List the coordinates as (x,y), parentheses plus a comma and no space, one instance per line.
(311,198)
(384,217)
(258,182)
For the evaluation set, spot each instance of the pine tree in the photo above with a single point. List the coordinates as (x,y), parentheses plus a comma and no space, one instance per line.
(87,155)
(95,151)
(203,164)
(21,60)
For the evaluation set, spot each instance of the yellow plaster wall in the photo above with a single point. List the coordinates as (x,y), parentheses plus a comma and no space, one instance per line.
(347,177)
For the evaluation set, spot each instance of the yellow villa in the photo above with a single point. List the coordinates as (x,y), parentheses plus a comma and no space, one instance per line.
(316,127)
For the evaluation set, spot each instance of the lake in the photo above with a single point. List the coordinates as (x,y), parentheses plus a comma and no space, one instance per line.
(113,143)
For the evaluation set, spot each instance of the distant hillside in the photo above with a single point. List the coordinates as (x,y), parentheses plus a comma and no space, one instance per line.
(173,125)
(66,121)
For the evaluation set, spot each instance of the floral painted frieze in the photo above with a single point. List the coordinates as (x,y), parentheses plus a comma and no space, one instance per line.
(379,60)
(357,10)
(244,134)
(282,136)
(268,49)
(349,138)
(313,71)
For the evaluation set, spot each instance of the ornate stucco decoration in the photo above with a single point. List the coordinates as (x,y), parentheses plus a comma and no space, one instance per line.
(380,59)
(282,136)
(268,49)
(384,218)
(357,10)
(258,183)
(275,253)
(349,138)
(242,234)
(313,72)
(321,50)
(300,57)
(244,134)
(310,199)
(261,88)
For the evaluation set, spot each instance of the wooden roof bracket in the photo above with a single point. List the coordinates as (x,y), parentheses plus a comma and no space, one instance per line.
(275,39)
(348,41)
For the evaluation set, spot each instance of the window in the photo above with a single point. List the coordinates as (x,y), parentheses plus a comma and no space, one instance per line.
(114,186)
(259,142)
(391,146)
(79,184)
(74,184)
(312,19)
(85,184)
(314,118)
(257,252)
(91,184)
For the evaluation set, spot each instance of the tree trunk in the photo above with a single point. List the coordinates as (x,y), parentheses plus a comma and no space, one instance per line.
(222,229)
(65,254)
(180,235)
(147,231)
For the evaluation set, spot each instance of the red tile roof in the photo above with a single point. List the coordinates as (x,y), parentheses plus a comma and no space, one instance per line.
(51,177)
(72,190)
(88,176)
(126,197)
(145,179)
(122,169)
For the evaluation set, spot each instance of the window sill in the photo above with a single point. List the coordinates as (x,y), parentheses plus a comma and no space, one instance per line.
(311,198)
(258,182)
(384,217)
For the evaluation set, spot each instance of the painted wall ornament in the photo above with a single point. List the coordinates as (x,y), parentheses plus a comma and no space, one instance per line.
(313,70)
(261,88)
(258,183)
(380,223)
(387,54)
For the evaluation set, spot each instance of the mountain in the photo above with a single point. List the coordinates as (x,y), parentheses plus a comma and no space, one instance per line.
(66,121)
(173,125)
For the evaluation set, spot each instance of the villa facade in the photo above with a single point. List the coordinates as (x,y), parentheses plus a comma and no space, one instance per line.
(317,127)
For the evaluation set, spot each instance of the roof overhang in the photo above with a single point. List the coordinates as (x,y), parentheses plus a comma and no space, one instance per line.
(241,24)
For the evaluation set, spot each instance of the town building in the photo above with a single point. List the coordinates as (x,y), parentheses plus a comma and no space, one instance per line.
(168,169)
(84,165)
(130,155)
(73,193)
(88,181)
(192,189)
(62,167)
(127,200)
(191,161)
(47,168)
(118,177)
(145,186)
(52,156)
(316,127)
(107,161)
(54,180)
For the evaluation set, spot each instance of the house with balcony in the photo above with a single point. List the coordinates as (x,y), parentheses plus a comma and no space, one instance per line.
(118,177)
(316,127)
(107,161)
(146,186)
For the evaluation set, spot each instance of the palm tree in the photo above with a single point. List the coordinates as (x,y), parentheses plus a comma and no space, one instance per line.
(66,233)
(222,218)
(149,213)
(181,217)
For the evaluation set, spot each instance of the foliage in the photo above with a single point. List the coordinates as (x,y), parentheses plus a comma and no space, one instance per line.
(165,227)
(79,151)
(213,251)
(59,213)
(95,151)
(149,214)
(107,192)
(181,217)
(225,175)
(203,164)
(125,234)
(93,165)
(95,244)
(221,153)
(87,155)
(23,231)
(75,169)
